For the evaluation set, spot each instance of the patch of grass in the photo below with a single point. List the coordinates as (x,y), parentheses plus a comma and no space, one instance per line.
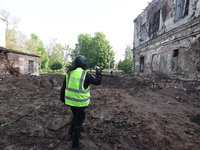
(66,116)
(63,72)
(16,93)
(49,71)
(37,90)
(1,110)
(7,123)
(115,72)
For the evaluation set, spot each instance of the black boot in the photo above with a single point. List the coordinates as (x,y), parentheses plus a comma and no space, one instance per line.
(80,145)
(69,137)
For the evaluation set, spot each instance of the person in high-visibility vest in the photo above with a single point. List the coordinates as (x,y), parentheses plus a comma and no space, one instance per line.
(75,93)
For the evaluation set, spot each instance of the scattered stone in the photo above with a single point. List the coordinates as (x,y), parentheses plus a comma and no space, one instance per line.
(134,136)
(197,88)
(9,148)
(115,147)
(51,145)
(57,88)
(108,119)
(178,99)
(103,134)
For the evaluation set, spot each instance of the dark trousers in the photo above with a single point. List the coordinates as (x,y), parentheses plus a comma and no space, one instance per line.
(76,123)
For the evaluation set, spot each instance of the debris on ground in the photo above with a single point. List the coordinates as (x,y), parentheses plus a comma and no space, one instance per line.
(125,113)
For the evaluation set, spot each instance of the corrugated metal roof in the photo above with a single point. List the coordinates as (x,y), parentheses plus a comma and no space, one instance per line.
(6,50)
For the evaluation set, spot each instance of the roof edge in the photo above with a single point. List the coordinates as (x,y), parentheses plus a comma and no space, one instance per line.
(15,51)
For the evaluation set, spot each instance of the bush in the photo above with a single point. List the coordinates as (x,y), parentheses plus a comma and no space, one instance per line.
(126,66)
(56,66)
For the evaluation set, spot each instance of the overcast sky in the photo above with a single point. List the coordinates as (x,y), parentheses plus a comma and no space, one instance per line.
(64,20)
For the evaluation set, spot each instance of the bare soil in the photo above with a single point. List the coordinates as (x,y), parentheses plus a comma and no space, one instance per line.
(125,113)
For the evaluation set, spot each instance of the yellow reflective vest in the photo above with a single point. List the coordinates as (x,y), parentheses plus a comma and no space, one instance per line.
(75,94)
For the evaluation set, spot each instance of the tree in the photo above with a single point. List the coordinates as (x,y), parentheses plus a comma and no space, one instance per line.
(11,29)
(126,64)
(44,59)
(128,52)
(83,47)
(65,55)
(58,52)
(36,46)
(97,50)
(32,46)
(55,54)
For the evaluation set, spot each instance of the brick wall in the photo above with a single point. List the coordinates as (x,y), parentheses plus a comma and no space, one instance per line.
(22,62)
(170,46)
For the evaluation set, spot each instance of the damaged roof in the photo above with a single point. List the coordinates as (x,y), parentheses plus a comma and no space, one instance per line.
(6,50)
(149,3)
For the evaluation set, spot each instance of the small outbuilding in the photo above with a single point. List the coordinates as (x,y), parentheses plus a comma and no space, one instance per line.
(16,62)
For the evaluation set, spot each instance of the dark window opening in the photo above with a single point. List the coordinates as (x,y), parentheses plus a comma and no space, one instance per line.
(154,24)
(182,9)
(143,31)
(175,53)
(186,8)
(30,66)
(142,64)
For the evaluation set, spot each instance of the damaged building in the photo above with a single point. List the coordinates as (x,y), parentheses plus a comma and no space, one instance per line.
(14,62)
(167,39)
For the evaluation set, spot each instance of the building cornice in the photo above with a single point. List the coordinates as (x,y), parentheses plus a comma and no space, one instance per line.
(166,35)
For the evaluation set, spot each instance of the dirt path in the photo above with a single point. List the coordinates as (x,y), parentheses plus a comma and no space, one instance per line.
(125,113)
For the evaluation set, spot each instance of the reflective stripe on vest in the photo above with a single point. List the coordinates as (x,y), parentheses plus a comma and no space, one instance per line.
(77,100)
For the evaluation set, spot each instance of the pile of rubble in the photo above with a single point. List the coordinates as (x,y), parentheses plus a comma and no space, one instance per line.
(125,112)
(157,82)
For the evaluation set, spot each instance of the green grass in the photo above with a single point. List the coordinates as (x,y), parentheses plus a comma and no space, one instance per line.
(63,72)
(116,72)
(49,71)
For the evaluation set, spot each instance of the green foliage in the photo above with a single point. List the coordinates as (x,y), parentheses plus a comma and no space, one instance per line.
(11,39)
(97,50)
(35,37)
(40,50)
(49,71)
(126,64)
(55,54)
(128,52)
(65,54)
(58,53)
(56,66)
(45,60)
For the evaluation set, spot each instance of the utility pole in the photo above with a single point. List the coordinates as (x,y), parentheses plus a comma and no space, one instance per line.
(109,58)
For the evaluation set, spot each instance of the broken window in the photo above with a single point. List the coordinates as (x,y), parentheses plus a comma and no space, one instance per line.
(154,24)
(30,66)
(182,9)
(142,64)
(143,31)
(175,53)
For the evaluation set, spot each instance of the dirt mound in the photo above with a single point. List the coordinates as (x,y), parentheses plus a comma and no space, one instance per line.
(122,81)
(28,81)
(125,113)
